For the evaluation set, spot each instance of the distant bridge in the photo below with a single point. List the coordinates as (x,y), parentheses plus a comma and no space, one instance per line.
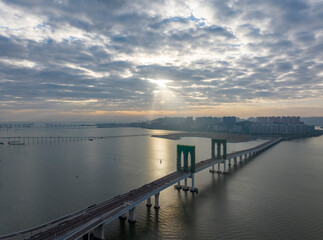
(18,140)
(91,221)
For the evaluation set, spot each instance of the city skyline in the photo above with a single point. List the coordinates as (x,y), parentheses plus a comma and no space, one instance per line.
(131,60)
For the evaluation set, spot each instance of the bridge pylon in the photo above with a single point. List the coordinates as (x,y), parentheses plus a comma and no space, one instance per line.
(183,153)
(219,154)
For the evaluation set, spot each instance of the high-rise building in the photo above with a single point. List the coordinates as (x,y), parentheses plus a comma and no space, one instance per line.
(229,121)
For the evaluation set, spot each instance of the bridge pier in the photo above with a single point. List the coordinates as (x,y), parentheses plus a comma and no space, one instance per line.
(132,215)
(193,188)
(148,204)
(157,201)
(123,217)
(98,232)
(185,188)
(212,169)
(235,161)
(219,168)
(229,162)
(178,186)
(225,167)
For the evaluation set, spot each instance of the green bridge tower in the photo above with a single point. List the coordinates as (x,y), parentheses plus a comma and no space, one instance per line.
(186,151)
(183,154)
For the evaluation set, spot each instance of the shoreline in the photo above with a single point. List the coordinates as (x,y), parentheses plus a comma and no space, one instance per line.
(230,137)
(233,137)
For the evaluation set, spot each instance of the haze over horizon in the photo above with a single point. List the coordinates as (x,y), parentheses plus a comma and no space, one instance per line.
(118,60)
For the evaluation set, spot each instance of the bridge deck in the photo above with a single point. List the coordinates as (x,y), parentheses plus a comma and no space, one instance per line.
(77,224)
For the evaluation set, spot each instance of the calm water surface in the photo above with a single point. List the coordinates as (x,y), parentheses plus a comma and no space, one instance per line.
(276,195)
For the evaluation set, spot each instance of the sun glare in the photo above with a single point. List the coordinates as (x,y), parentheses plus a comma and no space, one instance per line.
(165,96)
(161,83)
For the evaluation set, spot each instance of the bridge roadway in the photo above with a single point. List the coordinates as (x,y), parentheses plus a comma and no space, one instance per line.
(80,223)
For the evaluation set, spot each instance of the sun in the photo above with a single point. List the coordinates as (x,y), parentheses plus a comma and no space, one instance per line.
(161,83)
(165,96)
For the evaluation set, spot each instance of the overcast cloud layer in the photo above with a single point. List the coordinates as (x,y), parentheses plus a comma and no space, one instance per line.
(97,59)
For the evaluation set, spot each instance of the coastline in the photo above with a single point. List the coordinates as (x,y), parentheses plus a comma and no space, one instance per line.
(233,137)
(230,137)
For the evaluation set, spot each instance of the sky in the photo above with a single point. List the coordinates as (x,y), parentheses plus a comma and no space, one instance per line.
(125,60)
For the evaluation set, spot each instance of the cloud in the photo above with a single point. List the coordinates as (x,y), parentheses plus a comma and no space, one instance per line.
(103,55)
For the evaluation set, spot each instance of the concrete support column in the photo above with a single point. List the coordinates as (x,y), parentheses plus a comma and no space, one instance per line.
(98,232)
(178,186)
(193,181)
(157,201)
(229,162)
(193,188)
(148,204)
(240,159)
(219,168)
(123,217)
(225,168)
(185,188)
(132,215)
(235,161)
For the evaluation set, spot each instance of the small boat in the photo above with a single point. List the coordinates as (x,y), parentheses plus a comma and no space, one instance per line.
(1,143)
(16,143)
(90,139)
